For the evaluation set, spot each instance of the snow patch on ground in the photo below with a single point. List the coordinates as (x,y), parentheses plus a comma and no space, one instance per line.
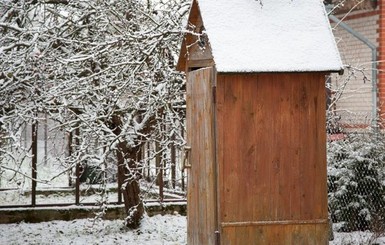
(156,230)
(357,238)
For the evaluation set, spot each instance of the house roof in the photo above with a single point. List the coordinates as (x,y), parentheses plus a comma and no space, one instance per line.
(343,6)
(268,35)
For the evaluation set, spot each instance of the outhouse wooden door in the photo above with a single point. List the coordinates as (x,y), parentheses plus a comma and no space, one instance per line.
(202,211)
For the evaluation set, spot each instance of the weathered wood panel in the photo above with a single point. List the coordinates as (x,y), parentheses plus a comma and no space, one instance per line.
(275,235)
(272,158)
(200,136)
(196,50)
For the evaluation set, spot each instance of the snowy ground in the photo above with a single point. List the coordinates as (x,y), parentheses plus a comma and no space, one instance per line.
(156,230)
(358,238)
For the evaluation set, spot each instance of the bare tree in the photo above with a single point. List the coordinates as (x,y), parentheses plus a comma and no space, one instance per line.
(105,68)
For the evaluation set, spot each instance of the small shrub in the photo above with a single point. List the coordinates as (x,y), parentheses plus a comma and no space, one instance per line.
(356,187)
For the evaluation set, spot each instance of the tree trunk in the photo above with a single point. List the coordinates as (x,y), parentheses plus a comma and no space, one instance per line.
(129,175)
(130,189)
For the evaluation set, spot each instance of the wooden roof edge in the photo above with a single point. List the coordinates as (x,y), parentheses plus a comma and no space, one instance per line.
(194,11)
(181,65)
(340,72)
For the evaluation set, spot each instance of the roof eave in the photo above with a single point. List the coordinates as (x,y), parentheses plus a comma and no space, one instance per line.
(339,71)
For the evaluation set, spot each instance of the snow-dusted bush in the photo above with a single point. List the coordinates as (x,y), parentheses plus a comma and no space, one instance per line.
(356,182)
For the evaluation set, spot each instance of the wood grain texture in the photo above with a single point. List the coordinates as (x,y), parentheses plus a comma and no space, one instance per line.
(194,52)
(201,186)
(271,157)
(275,235)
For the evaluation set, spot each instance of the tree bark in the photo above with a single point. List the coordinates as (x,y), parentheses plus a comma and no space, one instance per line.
(129,174)
(130,189)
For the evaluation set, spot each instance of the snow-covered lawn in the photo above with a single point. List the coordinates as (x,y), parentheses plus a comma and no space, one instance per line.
(156,230)
(357,238)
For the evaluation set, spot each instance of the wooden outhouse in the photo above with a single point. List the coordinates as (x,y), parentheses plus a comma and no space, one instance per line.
(256,121)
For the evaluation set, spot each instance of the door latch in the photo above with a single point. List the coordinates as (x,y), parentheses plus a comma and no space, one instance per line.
(186,159)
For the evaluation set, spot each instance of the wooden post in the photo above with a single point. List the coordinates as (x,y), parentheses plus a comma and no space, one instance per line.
(77,171)
(148,162)
(173,162)
(182,169)
(34,162)
(159,169)
(69,147)
(120,174)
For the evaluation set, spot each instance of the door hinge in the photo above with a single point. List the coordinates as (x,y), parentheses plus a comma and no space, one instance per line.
(214,89)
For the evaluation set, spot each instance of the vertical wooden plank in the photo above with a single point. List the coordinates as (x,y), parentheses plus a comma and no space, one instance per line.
(276,142)
(191,202)
(182,169)
(245,164)
(220,132)
(297,235)
(296,148)
(120,163)
(321,230)
(264,152)
(173,162)
(232,156)
(286,154)
(307,159)
(321,166)
(159,168)
(263,135)
(201,187)
(322,234)
(196,157)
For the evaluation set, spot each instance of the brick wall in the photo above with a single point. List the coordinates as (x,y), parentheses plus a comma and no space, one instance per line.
(355,104)
(381,63)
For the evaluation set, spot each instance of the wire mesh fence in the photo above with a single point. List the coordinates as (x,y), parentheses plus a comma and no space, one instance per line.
(65,178)
(356,181)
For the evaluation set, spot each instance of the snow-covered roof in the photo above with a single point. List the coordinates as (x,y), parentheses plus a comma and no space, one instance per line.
(269,35)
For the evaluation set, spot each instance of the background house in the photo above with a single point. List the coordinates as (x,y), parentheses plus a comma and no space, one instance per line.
(356,105)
